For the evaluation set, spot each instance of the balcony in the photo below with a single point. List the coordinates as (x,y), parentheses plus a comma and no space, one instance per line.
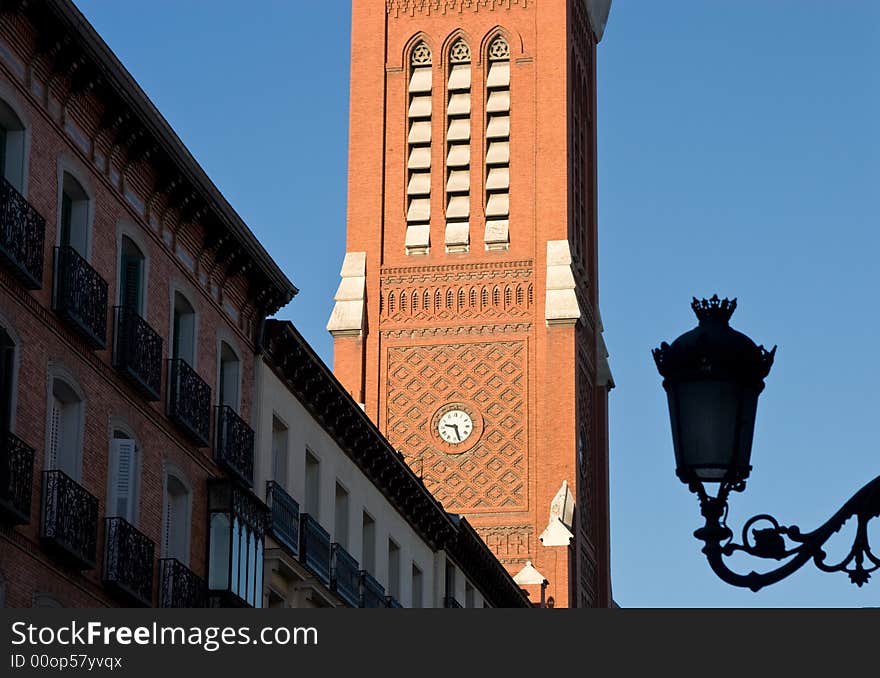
(80,296)
(137,352)
(128,561)
(16,479)
(372,592)
(391,601)
(22,235)
(345,577)
(450,602)
(234,445)
(314,548)
(189,401)
(283,517)
(70,520)
(179,586)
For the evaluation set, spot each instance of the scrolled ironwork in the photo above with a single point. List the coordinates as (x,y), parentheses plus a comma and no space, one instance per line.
(345,576)
(70,519)
(137,351)
(284,516)
(189,401)
(179,586)
(764,537)
(16,480)
(128,561)
(234,444)
(81,296)
(22,236)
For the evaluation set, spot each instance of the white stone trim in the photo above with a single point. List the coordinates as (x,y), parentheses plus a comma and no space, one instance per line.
(347,317)
(561,304)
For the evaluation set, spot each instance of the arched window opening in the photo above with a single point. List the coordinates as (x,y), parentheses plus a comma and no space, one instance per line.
(458,139)
(497,198)
(473,297)
(418,191)
(496,297)
(74,224)
(461,298)
(12,147)
(437,301)
(230,369)
(508,297)
(183,339)
(427,305)
(131,277)
(403,302)
(7,372)
(519,295)
(122,478)
(65,429)
(175,532)
(391,302)
(484,297)
(415,301)
(450,299)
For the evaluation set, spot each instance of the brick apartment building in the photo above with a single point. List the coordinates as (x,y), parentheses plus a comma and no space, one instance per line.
(133,307)
(467,319)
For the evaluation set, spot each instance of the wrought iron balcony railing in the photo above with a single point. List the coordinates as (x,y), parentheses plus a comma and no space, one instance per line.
(179,586)
(189,401)
(137,351)
(70,520)
(22,234)
(372,593)
(345,576)
(234,444)
(284,517)
(128,561)
(451,602)
(81,296)
(314,548)
(16,479)
(391,601)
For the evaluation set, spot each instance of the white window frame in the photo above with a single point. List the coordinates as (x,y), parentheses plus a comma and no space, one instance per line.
(129,230)
(56,371)
(10,98)
(112,471)
(67,165)
(168,471)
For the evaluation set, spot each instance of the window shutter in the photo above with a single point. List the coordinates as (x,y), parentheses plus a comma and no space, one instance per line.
(131,283)
(169,522)
(66,217)
(54,431)
(122,488)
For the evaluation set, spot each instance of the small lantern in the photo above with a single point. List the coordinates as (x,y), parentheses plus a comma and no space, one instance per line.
(713,376)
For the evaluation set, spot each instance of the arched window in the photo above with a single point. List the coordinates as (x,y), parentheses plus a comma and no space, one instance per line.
(450,299)
(131,277)
(391,302)
(74,223)
(177,518)
(484,297)
(418,191)
(415,301)
(498,145)
(519,295)
(183,332)
(458,141)
(7,374)
(508,297)
(461,298)
(229,377)
(403,301)
(531,296)
(64,439)
(496,297)
(122,501)
(437,300)
(427,304)
(473,298)
(12,147)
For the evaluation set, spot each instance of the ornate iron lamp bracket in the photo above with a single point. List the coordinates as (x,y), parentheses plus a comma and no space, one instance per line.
(763,537)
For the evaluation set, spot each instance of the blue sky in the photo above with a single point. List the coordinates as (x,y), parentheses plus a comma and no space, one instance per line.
(739,153)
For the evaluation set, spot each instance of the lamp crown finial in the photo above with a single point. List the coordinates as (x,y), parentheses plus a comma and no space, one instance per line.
(713,308)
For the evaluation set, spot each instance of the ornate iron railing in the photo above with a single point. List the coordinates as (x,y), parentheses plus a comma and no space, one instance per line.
(70,519)
(189,401)
(179,586)
(451,602)
(391,601)
(22,235)
(16,480)
(137,351)
(81,296)
(344,576)
(314,548)
(128,561)
(234,444)
(284,517)
(372,593)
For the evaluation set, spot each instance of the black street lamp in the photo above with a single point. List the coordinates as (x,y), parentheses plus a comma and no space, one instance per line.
(713,376)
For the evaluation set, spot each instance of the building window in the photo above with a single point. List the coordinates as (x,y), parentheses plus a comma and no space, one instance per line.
(7,372)
(74,225)
(458,148)
(497,199)
(12,147)
(230,369)
(313,485)
(450,581)
(393,569)
(122,478)
(340,527)
(176,522)
(418,191)
(64,440)
(417,587)
(183,331)
(468,595)
(131,277)
(368,543)
(279,452)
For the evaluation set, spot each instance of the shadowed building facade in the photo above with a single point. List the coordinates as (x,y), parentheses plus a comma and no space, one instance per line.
(467,320)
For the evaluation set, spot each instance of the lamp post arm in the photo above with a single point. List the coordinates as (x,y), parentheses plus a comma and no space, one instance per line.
(769,540)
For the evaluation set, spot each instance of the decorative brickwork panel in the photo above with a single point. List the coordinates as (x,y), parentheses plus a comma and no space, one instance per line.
(486,382)
(511,544)
(398,8)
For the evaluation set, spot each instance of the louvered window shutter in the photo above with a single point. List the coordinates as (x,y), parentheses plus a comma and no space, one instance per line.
(55,433)
(66,218)
(122,488)
(131,283)
(169,522)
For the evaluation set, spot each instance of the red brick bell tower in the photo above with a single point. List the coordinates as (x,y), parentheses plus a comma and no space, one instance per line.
(467,317)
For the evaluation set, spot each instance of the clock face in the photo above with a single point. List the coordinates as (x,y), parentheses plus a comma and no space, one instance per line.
(455,426)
